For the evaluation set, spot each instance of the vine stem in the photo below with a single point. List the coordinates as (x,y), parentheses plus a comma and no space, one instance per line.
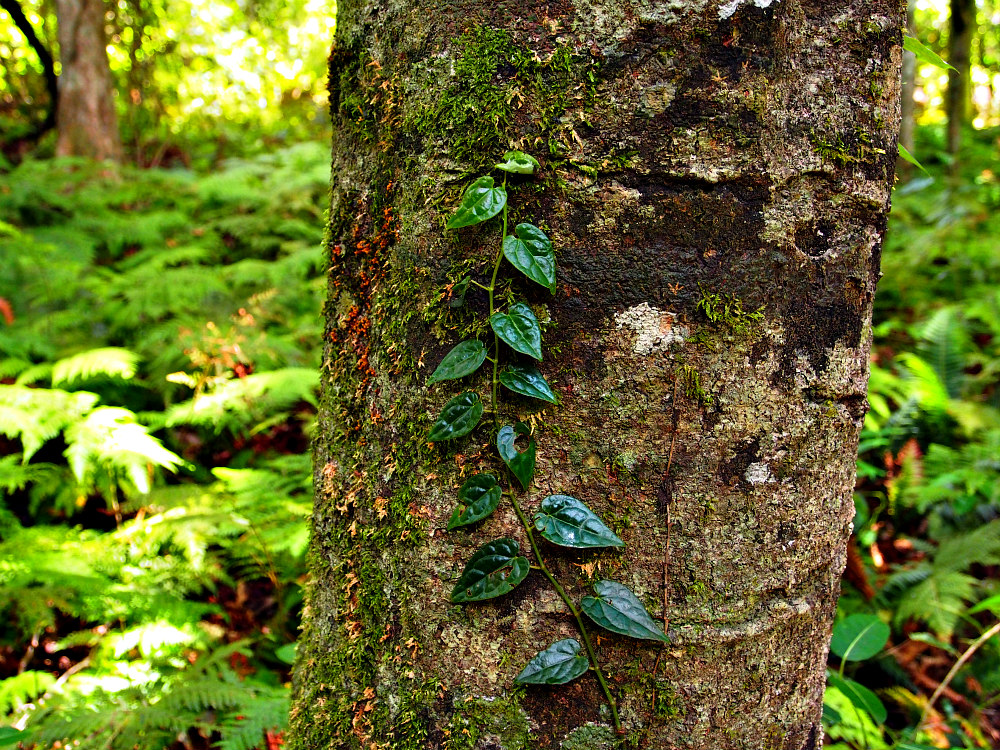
(491,289)
(576,613)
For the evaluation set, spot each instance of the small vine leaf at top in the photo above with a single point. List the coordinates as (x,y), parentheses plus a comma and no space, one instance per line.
(521,464)
(482,201)
(480,495)
(518,162)
(617,609)
(527,381)
(459,417)
(530,252)
(566,521)
(463,360)
(519,329)
(495,569)
(560,663)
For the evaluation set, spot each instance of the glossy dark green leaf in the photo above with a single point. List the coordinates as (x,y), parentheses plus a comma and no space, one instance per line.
(527,381)
(480,496)
(617,609)
(459,417)
(859,637)
(518,162)
(560,663)
(463,360)
(519,329)
(494,570)
(566,521)
(482,201)
(521,464)
(530,252)
(860,696)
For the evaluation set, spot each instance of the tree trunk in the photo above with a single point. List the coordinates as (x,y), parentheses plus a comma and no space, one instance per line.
(87,123)
(962,24)
(715,179)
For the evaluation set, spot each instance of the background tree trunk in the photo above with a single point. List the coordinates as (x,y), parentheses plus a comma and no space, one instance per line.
(87,124)
(907,105)
(962,24)
(737,152)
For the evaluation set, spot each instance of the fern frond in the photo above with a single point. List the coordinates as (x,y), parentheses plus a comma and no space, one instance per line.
(111,443)
(110,362)
(36,415)
(944,344)
(940,601)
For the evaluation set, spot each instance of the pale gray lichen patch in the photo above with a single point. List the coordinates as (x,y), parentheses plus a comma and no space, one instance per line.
(655,330)
(758,473)
(729,8)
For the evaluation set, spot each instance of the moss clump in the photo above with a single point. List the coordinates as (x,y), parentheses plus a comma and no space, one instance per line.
(727,310)
(502,718)
(690,382)
(591,737)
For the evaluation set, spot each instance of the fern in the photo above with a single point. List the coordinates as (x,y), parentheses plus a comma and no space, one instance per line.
(944,345)
(35,416)
(109,449)
(17,691)
(110,362)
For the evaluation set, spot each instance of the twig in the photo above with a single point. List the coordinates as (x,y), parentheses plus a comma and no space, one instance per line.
(954,670)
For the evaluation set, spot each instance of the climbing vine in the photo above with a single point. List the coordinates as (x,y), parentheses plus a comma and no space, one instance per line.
(498,566)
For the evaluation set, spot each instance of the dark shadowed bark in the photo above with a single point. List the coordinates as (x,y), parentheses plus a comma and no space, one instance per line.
(693,154)
(962,25)
(87,123)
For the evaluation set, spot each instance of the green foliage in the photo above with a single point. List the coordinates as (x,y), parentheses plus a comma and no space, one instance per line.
(498,566)
(929,490)
(157,382)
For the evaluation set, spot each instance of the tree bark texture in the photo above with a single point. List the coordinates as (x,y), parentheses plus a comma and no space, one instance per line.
(961,25)
(87,124)
(692,152)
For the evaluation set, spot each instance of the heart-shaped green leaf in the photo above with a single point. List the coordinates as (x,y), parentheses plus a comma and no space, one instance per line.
(459,417)
(566,521)
(617,609)
(859,696)
(494,570)
(560,663)
(519,329)
(518,162)
(528,381)
(480,496)
(482,201)
(859,637)
(530,252)
(463,360)
(521,465)
(458,291)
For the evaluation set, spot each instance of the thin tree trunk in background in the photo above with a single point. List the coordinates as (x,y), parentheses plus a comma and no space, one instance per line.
(694,154)
(907,105)
(44,57)
(87,122)
(962,25)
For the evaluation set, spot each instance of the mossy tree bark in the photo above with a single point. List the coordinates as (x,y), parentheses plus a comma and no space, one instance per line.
(692,152)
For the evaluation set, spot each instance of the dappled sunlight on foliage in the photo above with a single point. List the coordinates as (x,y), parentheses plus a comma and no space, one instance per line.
(158,372)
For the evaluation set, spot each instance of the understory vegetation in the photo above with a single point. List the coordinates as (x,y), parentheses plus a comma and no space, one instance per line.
(158,360)
(925,553)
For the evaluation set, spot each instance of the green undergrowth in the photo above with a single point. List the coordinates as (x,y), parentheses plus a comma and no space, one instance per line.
(159,357)
(927,530)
